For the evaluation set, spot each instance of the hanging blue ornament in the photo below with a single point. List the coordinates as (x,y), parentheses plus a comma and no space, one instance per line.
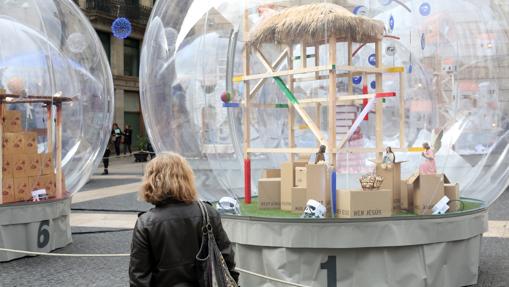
(360,10)
(373,85)
(423,41)
(391,24)
(425,9)
(410,68)
(121,28)
(357,80)
(372,59)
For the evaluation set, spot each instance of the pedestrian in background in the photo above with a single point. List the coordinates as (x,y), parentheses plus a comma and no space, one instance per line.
(106,156)
(150,150)
(128,137)
(117,134)
(167,238)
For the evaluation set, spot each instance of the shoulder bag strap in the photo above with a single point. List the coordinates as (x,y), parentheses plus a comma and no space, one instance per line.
(206,226)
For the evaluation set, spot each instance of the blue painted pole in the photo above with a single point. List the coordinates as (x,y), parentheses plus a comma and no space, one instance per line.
(333,192)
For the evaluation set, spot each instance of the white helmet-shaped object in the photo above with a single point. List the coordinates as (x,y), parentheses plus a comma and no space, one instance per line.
(314,209)
(228,205)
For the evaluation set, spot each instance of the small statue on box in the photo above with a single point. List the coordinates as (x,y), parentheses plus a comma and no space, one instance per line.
(429,165)
(320,155)
(389,158)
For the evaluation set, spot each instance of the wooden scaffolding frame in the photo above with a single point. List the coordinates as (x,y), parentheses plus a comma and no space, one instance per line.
(332,71)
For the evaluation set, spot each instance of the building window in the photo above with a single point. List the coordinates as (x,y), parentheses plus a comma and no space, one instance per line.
(105,41)
(131,57)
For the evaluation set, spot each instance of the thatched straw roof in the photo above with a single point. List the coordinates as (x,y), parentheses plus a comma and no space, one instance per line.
(316,22)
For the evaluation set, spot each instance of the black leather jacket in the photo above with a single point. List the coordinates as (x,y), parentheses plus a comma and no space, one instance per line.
(165,242)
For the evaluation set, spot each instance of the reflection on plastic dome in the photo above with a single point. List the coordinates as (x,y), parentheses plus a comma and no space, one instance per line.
(450,51)
(50,49)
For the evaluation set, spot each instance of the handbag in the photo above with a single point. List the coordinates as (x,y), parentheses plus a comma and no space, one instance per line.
(210,262)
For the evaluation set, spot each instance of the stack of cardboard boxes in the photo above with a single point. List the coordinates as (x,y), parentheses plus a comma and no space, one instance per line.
(23,169)
(290,187)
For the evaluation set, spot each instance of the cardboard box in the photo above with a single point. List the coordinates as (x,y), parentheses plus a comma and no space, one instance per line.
(271,173)
(20,165)
(29,143)
(428,190)
(7,195)
(300,176)
(299,199)
(318,184)
(11,121)
(22,189)
(364,204)
(287,183)
(452,190)
(269,193)
(12,143)
(49,182)
(7,165)
(36,182)
(392,181)
(34,165)
(407,196)
(47,166)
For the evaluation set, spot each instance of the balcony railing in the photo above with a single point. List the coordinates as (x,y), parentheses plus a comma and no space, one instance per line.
(130,9)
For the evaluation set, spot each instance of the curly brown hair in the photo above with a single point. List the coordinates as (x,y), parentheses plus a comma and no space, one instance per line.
(168,175)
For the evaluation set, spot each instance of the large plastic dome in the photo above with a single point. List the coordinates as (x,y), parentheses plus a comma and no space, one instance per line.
(50,49)
(451,52)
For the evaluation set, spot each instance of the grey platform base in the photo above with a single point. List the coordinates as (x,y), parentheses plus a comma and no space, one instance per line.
(426,251)
(41,227)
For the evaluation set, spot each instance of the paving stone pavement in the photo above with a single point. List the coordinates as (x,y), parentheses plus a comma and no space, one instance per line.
(62,271)
(77,271)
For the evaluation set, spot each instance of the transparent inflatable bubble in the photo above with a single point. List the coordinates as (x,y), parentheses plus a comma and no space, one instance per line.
(450,52)
(50,49)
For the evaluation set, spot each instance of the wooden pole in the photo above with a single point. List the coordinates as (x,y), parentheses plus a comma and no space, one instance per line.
(318,118)
(402,115)
(1,149)
(246,114)
(291,109)
(332,102)
(275,65)
(303,55)
(58,140)
(379,104)
(350,63)
(49,127)
(317,60)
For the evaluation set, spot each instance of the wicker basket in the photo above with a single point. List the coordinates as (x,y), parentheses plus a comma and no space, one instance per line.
(371,182)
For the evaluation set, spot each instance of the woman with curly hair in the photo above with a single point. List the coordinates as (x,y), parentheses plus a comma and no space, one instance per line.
(167,238)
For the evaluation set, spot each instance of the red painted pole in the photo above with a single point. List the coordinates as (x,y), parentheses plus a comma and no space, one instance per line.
(365,101)
(247,181)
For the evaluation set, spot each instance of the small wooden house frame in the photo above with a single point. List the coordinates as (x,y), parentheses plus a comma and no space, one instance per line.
(49,102)
(315,25)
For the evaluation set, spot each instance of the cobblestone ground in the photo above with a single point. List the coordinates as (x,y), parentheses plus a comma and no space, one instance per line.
(62,271)
(56,271)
